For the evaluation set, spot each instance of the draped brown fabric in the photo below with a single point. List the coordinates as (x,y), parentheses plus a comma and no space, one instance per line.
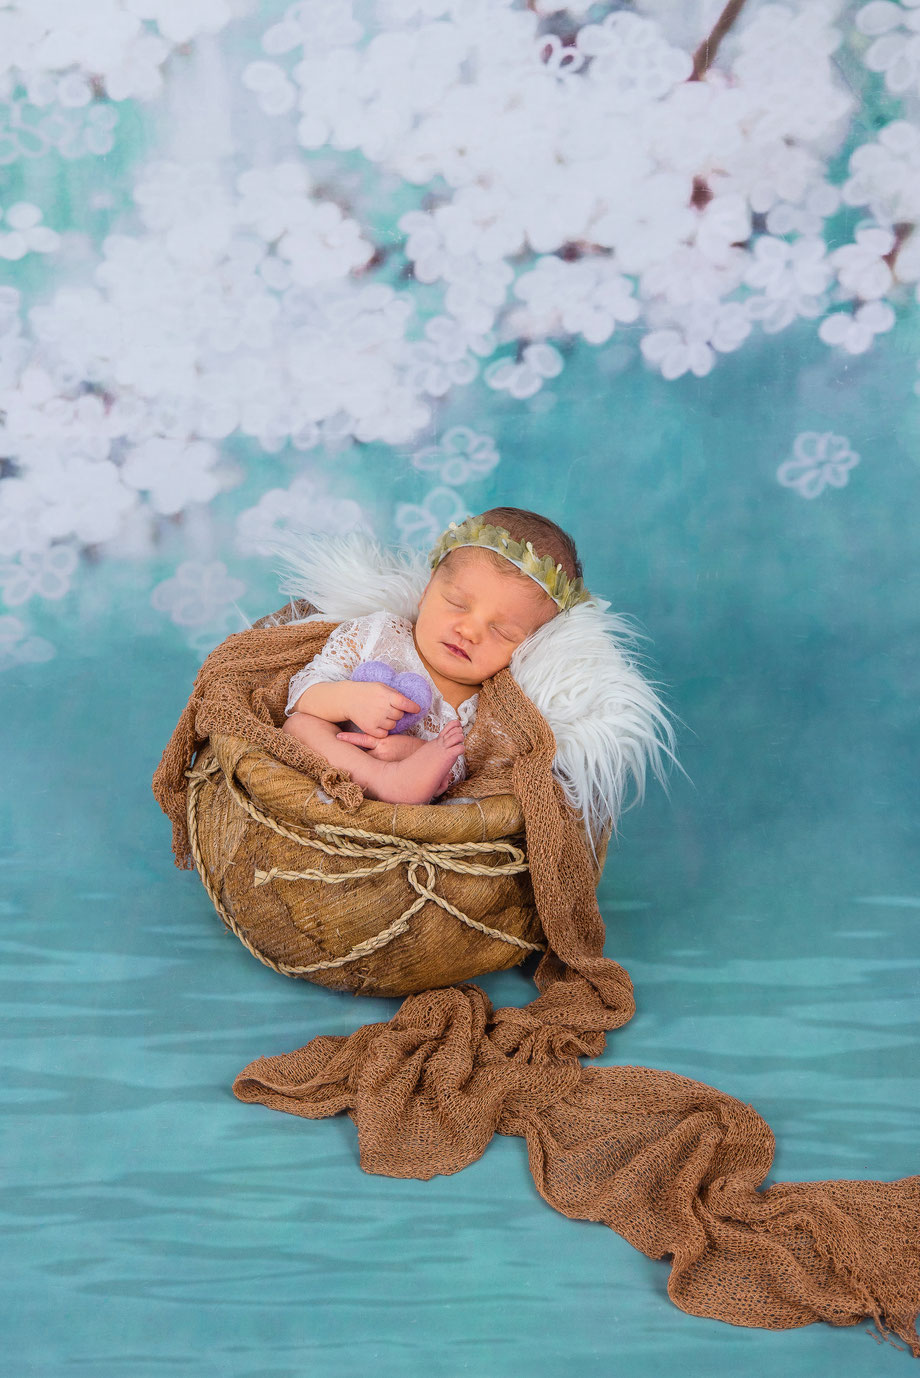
(669,1163)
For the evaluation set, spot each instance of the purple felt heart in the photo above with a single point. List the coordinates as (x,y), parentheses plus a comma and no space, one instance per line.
(415,687)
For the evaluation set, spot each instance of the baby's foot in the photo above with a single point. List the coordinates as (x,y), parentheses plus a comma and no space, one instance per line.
(423,775)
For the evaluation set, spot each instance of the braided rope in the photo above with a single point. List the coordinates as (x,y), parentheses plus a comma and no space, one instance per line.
(386,849)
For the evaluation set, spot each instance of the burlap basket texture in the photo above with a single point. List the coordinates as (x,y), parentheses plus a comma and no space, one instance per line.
(429,895)
(307,925)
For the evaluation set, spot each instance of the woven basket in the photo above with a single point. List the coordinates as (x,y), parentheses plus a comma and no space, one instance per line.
(429,894)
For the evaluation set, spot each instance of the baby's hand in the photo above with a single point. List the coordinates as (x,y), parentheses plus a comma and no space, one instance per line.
(396,747)
(376,708)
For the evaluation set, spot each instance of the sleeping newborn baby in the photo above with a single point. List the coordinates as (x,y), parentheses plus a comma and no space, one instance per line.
(496,579)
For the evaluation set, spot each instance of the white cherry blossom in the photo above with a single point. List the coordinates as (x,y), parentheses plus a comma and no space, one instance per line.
(40,573)
(433,375)
(452,340)
(476,293)
(420,524)
(856,333)
(197,594)
(303,506)
(24,232)
(699,332)
(588,297)
(896,49)
(462,456)
(793,278)
(538,363)
(808,217)
(632,60)
(861,266)
(820,458)
(675,354)
(284,36)
(799,269)
(324,246)
(885,173)
(71,497)
(274,199)
(271,87)
(175,473)
(688,276)
(324,23)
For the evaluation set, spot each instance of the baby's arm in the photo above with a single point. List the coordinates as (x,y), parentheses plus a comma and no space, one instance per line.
(409,778)
(399,769)
(324,689)
(374,708)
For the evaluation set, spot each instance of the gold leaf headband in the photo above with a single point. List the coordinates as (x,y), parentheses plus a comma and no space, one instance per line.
(552,578)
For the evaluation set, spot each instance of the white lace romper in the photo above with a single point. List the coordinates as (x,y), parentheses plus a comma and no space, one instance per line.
(383,636)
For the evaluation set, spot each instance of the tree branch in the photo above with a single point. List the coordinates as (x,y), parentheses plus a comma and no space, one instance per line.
(705,54)
(902,232)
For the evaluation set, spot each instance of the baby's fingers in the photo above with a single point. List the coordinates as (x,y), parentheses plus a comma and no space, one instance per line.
(403,704)
(363,739)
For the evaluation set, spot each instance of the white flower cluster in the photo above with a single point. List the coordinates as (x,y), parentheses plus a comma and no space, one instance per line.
(21,232)
(27,132)
(895,50)
(591,185)
(57,50)
(202,598)
(237,311)
(560,173)
(420,524)
(885,176)
(305,505)
(462,456)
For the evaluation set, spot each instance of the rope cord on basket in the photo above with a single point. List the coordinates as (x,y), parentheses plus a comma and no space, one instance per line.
(388,851)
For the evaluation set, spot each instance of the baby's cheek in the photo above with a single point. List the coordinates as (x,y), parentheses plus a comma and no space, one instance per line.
(503,658)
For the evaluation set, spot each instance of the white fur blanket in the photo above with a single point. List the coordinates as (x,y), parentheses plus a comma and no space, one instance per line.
(580,669)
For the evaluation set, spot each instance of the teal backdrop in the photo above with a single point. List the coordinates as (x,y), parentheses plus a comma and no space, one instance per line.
(380,265)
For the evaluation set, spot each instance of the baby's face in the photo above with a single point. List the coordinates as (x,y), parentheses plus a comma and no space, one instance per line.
(472,617)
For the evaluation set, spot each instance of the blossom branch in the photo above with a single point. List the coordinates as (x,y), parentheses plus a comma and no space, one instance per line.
(705,54)
(902,232)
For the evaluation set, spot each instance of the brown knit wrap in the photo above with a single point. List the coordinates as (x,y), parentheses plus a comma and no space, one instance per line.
(669,1163)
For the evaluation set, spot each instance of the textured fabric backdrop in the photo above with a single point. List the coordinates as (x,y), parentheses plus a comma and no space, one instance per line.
(649,267)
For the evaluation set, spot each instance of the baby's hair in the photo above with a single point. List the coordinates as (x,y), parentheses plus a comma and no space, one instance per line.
(545,536)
